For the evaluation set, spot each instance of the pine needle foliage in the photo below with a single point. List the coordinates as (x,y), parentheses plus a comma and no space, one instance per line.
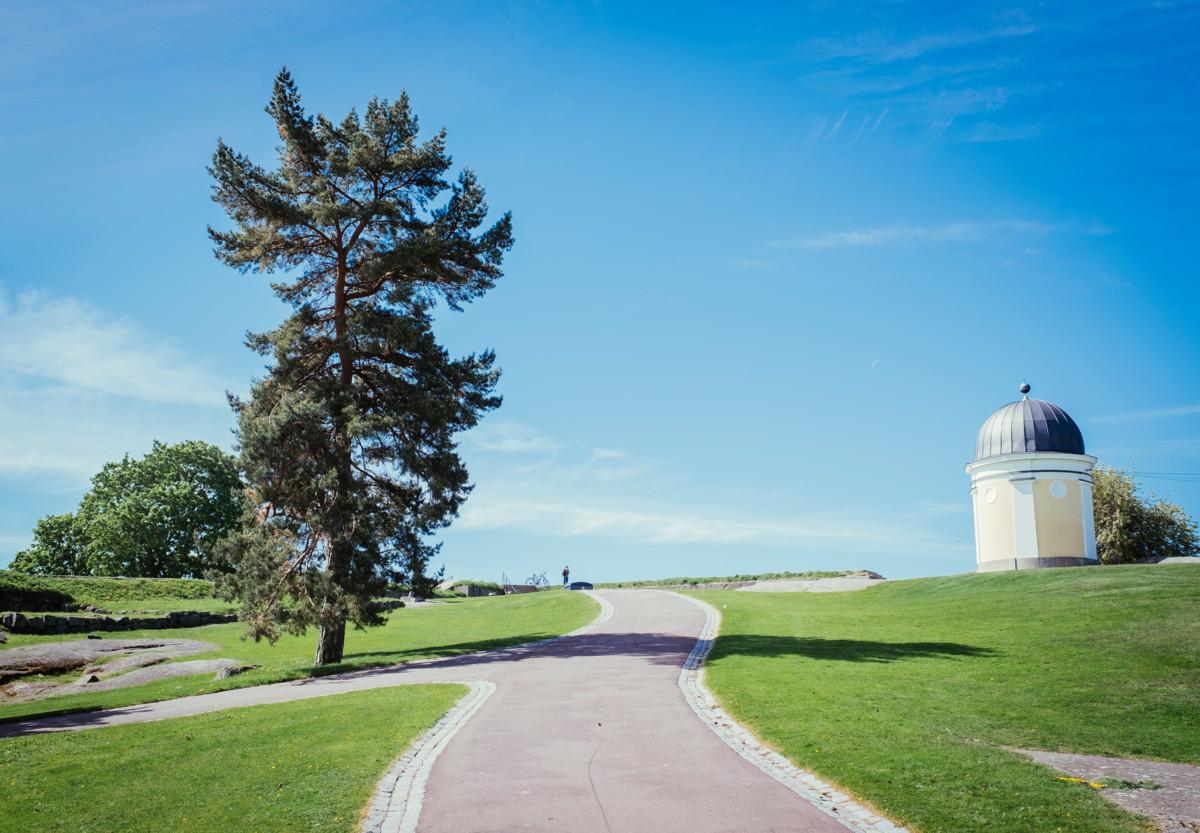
(348,441)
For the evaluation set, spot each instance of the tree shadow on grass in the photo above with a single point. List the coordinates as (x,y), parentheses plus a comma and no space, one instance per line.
(654,648)
(843,650)
(357,659)
(662,649)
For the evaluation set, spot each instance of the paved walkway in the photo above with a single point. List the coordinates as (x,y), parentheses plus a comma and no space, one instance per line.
(1169,793)
(589,733)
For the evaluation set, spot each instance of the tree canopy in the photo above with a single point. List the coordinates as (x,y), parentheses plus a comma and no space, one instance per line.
(159,516)
(57,549)
(348,441)
(1132,528)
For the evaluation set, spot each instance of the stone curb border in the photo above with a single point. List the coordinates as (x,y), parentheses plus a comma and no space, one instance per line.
(606,613)
(396,803)
(825,797)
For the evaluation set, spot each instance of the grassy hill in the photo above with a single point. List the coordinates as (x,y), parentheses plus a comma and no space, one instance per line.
(684,581)
(906,693)
(310,765)
(441,629)
(114,593)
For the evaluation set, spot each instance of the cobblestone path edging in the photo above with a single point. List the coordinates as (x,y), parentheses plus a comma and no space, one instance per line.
(396,804)
(812,789)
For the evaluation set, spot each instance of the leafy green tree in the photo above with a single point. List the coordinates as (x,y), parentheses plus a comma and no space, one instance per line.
(1131,528)
(349,439)
(161,516)
(57,548)
(155,517)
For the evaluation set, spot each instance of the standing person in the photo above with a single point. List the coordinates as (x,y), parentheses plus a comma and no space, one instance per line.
(566,576)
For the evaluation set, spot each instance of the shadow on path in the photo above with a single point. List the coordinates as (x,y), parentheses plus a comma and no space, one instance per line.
(653,648)
(657,648)
(671,650)
(355,659)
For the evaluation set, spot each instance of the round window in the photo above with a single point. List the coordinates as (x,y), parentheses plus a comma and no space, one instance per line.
(1058,489)
(990,495)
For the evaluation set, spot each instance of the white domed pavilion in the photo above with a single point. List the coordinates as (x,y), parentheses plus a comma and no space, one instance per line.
(1031,485)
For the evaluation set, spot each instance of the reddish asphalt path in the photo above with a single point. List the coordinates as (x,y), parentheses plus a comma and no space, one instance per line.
(584,734)
(591,734)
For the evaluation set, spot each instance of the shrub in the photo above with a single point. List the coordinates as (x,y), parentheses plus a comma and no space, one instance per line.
(1132,528)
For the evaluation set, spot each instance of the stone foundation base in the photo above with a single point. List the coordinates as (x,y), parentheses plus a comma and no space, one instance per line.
(1034,563)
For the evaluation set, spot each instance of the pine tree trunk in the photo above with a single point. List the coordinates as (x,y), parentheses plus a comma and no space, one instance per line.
(331,643)
(332,639)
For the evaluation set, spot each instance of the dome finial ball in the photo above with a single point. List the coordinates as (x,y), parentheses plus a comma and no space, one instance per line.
(1025,388)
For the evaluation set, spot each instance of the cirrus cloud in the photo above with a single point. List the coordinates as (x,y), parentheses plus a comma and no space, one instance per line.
(68,341)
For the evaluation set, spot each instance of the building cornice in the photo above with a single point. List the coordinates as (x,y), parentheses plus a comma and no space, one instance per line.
(1033,463)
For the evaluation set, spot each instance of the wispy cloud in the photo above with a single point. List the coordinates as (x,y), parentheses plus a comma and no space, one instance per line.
(569,488)
(837,126)
(878,48)
(868,126)
(68,341)
(1153,413)
(939,84)
(54,437)
(667,526)
(962,231)
(599,454)
(989,132)
(957,232)
(950,106)
(826,129)
(511,438)
(523,452)
(80,387)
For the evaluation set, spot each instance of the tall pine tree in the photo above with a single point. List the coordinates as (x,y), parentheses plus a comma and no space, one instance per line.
(348,442)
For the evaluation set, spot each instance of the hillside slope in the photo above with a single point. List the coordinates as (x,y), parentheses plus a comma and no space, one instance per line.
(906,693)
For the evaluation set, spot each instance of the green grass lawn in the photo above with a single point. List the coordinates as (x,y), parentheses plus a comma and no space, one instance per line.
(306,766)
(446,628)
(905,693)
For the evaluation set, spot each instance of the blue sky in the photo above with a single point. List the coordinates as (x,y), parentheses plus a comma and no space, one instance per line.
(774,265)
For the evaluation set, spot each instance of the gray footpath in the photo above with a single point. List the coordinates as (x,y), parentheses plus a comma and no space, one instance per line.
(595,732)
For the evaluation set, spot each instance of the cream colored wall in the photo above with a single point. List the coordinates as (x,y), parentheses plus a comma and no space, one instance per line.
(1059,520)
(994,532)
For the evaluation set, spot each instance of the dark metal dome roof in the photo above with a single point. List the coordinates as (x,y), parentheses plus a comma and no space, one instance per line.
(1028,425)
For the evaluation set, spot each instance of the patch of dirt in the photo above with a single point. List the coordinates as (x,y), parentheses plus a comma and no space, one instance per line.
(1170,797)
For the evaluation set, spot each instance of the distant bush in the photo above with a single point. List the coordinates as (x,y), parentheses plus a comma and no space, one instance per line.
(486,585)
(1131,528)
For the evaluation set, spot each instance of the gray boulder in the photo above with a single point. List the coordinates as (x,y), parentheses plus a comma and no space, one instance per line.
(234,670)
